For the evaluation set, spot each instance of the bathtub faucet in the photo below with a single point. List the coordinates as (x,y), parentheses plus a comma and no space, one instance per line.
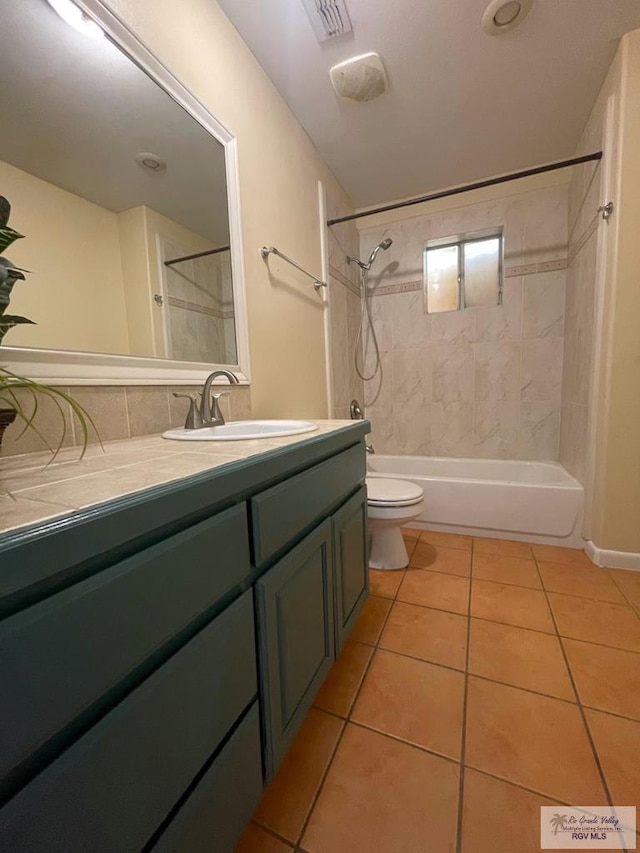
(369,448)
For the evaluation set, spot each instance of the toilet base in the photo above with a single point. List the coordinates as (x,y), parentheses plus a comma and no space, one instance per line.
(387,548)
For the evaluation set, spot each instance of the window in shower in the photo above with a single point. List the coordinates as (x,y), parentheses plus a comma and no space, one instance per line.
(464,271)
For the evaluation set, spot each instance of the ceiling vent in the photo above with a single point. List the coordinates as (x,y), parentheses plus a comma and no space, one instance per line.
(501,16)
(329,18)
(361,78)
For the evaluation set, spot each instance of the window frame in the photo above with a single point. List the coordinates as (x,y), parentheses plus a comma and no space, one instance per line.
(459,241)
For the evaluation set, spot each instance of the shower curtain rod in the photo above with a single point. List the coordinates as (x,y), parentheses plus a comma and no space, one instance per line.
(197,255)
(490,182)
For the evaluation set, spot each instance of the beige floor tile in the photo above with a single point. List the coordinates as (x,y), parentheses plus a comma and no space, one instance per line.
(288,799)
(608,679)
(256,840)
(628,582)
(453,561)
(520,657)
(384,796)
(513,605)
(502,548)
(434,589)
(558,554)
(534,741)
(496,813)
(413,700)
(501,569)
(423,632)
(385,583)
(596,621)
(583,581)
(446,540)
(369,624)
(341,685)
(618,746)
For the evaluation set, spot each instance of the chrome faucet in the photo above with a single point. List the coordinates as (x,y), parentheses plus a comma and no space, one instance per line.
(207,415)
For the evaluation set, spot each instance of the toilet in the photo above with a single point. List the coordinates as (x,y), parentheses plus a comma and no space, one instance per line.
(391,504)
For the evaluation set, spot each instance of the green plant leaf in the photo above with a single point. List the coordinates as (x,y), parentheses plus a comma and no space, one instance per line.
(8,321)
(10,382)
(5,211)
(8,236)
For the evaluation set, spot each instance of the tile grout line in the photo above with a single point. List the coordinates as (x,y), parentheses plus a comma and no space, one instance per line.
(346,720)
(465,696)
(603,779)
(511,624)
(623,593)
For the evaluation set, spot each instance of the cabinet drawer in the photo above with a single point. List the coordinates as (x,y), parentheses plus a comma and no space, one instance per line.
(114,787)
(61,656)
(217,812)
(280,514)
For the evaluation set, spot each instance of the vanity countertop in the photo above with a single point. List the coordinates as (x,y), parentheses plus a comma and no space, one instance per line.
(34,492)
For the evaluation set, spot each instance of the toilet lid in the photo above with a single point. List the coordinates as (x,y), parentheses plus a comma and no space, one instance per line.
(383,491)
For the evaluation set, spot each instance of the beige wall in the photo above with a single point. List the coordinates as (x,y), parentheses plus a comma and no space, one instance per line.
(279,173)
(75,292)
(616,486)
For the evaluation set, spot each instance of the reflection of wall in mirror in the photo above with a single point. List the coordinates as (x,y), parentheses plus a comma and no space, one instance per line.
(95,273)
(76,292)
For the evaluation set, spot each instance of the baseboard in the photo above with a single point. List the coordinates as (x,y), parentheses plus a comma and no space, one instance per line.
(612,559)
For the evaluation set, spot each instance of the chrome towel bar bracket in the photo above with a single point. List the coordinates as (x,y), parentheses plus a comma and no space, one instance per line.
(265,251)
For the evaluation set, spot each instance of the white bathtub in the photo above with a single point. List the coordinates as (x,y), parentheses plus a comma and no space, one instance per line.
(532,501)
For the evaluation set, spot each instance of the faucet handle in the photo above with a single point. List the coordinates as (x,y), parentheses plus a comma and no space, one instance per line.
(194,418)
(217,414)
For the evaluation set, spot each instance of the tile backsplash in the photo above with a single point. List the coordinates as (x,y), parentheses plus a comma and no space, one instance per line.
(481,382)
(118,412)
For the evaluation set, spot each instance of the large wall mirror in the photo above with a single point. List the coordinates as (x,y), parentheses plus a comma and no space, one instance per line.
(122,196)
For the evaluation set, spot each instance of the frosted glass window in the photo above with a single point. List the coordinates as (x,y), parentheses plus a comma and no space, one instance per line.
(443,281)
(463,272)
(481,272)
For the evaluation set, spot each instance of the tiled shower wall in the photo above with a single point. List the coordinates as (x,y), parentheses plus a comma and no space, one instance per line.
(483,382)
(344,311)
(118,412)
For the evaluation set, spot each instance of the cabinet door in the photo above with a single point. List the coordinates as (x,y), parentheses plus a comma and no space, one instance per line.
(295,601)
(350,564)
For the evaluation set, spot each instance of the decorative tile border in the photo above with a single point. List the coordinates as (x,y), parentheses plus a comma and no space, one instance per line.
(536,269)
(589,231)
(510,272)
(350,285)
(174,302)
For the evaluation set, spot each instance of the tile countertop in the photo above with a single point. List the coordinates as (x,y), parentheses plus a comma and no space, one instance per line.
(33,491)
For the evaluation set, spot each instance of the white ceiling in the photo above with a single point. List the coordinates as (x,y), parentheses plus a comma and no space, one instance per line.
(461,106)
(75,112)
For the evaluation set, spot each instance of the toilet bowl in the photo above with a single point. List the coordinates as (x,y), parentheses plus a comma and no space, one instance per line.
(391,503)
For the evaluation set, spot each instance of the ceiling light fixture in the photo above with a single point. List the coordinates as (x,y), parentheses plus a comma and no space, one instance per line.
(76,18)
(500,16)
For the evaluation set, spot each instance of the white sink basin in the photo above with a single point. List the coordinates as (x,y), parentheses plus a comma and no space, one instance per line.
(239,430)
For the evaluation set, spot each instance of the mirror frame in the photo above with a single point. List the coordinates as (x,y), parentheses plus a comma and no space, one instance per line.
(67,367)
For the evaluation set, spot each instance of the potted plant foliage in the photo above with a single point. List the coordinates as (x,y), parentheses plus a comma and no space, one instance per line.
(12,403)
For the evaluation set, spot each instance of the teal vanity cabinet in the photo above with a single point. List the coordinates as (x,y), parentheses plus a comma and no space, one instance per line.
(159,652)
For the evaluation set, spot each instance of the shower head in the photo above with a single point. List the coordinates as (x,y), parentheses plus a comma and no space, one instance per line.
(383,245)
(366,267)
